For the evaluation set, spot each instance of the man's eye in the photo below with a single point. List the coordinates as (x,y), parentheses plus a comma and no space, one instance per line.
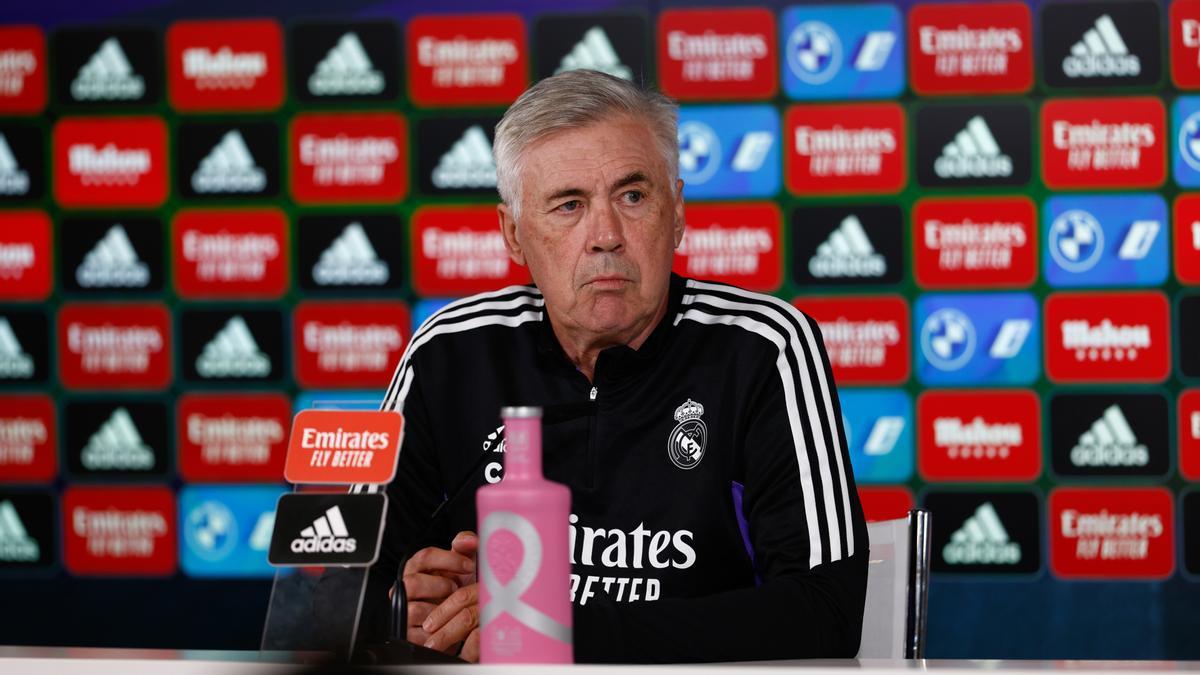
(571,206)
(634,196)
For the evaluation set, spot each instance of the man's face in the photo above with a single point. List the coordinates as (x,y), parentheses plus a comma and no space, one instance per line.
(600,220)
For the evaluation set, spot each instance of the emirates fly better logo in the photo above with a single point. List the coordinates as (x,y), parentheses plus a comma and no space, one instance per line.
(1114,533)
(348,344)
(968,48)
(846,149)
(467,60)
(22,69)
(1104,143)
(347,158)
(987,242)
(111,346)
(459,251)
(866,337)
(717,53)
(739,245)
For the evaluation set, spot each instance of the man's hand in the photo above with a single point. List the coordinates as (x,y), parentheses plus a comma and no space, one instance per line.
(434,576)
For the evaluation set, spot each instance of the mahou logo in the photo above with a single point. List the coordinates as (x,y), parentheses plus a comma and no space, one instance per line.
(992,435)
(1107,337)
(966,243)
(866,337)
(22,70)
(119,531)
(718,53)
(1184,30)
(1113,533)
(971,48)
(348,344)
(25,255)
(1104,143)
(110,162)
(460,251)
(1189,434)
(28,438)
(467,59)
(857,148)
(349,158)
(230,254)
(1187,239)
(225,65)
(224,438)
(735,244)
(114,346)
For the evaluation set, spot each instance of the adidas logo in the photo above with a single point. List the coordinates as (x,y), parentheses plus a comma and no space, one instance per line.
(468,163)
(14,181)
(327,534)
(351,260)
(1101,53)
(982,540)
(260,536)
(847,253)
(117,446)
(113,262)
(346,70)
(107,76)
(15,543)
(233,353)
(595,52)
(973,153)
(14,362)
(229,167)
(1110,442)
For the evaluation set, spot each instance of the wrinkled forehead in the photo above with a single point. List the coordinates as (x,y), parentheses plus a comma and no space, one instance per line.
(602,152)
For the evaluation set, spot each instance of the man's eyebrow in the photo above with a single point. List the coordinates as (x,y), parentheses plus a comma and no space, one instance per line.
(565,192)
(630,179)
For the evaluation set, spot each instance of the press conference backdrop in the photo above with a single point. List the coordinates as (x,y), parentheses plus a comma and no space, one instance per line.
(214,215)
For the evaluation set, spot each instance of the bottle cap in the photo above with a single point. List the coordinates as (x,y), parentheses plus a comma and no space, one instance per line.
(521,412)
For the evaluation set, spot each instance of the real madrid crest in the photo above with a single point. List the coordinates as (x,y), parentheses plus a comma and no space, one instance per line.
(685,447)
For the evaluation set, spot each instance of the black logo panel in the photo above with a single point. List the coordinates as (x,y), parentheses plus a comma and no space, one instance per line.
(613,44)
(1189,335)
(110,256)
(28,532)
(227,160)
(1191,532)
(22,162)
(232,345)
(107,67)
(116,438)
(1101,44)
(24,347)
(974,145)
(344,61)
(454,155)
(1109,434)
(343,253)
(848,245)
(986,532)
(327,529)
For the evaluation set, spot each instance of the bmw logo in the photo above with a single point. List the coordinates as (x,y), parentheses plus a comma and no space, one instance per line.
(1189,140)
(948,339)
(1076,240)
(699,152)
(211,530)
(814,52)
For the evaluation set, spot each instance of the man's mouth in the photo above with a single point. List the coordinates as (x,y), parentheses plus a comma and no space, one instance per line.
(605,283)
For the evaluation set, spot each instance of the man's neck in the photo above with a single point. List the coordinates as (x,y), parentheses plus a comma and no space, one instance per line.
(583,350)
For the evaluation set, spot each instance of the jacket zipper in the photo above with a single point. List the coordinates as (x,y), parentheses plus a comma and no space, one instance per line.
(592,460)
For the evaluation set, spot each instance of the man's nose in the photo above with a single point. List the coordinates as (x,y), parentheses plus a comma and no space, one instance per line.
(606,234)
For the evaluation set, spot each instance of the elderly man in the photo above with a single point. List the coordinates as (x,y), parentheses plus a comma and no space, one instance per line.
(714,514)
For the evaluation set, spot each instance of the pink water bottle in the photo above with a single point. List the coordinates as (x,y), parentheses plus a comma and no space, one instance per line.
(524,554)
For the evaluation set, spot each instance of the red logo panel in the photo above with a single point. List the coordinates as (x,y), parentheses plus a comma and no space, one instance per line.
(233,437)
(885,503)
(851,148)
(1187,239)
(25,269)
(1189,434)
(230,254)
(22,70)
(968,243)
(1184,28)
(738,244)
(349,344)
(971,48)
(1107,337)
(1119,533)
(28,439)
(983,435)
(718,53)
(119,531)
(1104,142)
(467,59)
(460,251)
(111,346)
(116,161)
(866,337)
(349,158)
(344,447)
(225,65)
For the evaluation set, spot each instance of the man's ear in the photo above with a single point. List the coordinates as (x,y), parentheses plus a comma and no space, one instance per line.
(680,222)
(508,229)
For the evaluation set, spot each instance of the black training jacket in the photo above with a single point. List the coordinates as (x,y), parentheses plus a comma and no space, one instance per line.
(714,512)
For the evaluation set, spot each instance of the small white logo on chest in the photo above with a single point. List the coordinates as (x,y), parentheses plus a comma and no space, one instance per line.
(686,444)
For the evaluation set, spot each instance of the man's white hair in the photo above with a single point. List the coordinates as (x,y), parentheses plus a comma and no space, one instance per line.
(571,100)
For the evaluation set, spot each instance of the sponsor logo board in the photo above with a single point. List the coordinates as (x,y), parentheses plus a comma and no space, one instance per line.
(729,151)
(336,61)
(232,345)
(986,533)
(230,253)
(128,531)
(879,434)
(974,145)
(1112,533)
(28,532)
(616,44)
(866,337)
(454,155)
(970,48)
(117,438)
(1187,239)
(973,339)
(980,242)
(225,65)
(345,253)
(344,447)
(110,162)
(1188,324)
(1105,240)
(327,529)
(475,59)
(28,438)
(848,245)
(232,437)
(226,530)
(361,157)
(738,244)
(114,346)
(979,435)
(458,250)
(1183,28)
(718,53)
(1189,506)
(842,51)
(1101,45)
(348,344)
(25,255)
(1104,143)
(1107,337)
(22,70)
(107,256)
(1189,434)
(1109,434)
(226,160)
(107,67)
(846,148)
(24,347)
(22,160)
